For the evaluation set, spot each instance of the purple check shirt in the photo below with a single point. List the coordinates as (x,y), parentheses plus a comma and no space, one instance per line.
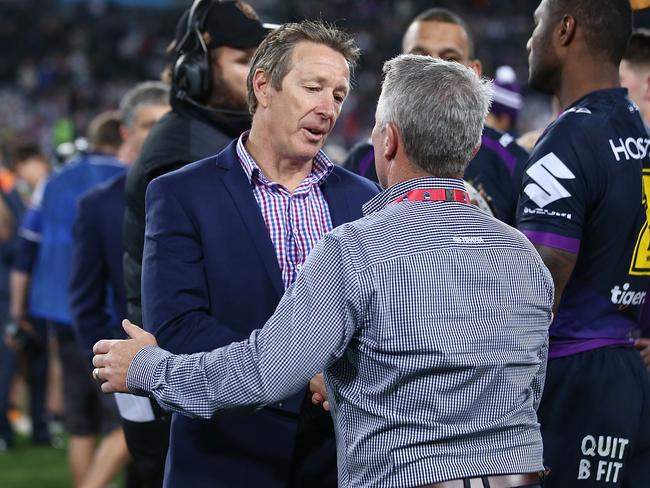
(295,221)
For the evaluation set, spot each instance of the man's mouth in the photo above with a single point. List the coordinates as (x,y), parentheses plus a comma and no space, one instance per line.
(315,134)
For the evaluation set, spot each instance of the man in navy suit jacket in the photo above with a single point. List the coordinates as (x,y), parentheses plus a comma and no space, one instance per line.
(225,237)
(97,294)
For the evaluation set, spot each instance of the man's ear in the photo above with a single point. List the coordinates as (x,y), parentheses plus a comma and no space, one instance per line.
(391,141)
(566,30)
(477,66)
(124,132)
(261,87)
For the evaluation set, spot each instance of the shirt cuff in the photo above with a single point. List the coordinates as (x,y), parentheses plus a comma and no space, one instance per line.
(141,375)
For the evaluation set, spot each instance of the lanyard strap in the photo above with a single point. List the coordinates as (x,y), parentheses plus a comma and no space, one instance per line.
(434,195)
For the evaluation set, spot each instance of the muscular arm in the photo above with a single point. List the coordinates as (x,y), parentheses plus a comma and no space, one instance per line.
(560,264)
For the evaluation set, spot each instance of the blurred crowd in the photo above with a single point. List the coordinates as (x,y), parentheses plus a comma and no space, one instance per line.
(77,58)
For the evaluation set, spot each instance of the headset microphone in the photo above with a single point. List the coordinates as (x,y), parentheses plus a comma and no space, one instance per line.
(192,75)
(182,95)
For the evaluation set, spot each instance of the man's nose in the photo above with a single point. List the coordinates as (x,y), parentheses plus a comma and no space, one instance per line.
(327,107)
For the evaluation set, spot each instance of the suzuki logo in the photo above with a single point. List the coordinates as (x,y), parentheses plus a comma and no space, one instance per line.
(547,188)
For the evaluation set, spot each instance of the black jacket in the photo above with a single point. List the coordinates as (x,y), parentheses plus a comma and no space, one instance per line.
(183,135)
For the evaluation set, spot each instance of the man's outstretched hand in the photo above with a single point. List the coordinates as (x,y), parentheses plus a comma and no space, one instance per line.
(113,357)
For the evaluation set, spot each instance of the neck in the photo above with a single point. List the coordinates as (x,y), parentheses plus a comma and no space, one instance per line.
(407,171)
(287,172)
(590,76)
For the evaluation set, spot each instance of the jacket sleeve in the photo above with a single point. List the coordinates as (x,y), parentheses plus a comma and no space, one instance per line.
(88,279)
(175,301)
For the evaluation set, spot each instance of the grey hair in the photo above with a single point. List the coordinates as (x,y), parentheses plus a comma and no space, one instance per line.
(145,93)
(438,107)
(273,55)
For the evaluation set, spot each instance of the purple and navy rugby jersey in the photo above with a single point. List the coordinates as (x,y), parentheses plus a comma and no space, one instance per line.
(585,191)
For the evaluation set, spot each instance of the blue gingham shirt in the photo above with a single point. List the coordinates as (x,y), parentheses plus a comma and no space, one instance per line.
(430,321)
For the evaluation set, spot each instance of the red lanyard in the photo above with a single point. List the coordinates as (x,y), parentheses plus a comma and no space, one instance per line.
(434,195)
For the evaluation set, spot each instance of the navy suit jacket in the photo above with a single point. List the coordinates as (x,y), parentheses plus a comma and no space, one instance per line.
(210,277)
(97,296)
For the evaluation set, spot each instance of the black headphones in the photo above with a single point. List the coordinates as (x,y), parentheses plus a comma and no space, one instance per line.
(192,75)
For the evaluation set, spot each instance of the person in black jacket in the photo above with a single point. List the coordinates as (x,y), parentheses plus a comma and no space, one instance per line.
(213,46)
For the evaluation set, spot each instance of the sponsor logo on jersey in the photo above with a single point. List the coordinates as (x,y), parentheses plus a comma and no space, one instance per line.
(604,456)
(622,295)
(578,110)
(548,213)
(630,148)
(545,173)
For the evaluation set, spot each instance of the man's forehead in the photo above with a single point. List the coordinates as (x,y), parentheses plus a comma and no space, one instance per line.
(319,60)
(436,33)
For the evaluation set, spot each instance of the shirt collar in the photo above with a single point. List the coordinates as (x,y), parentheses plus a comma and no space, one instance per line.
(391,194)
(321,167)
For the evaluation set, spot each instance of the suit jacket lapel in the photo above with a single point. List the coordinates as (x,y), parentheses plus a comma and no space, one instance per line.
(240,191)
(336,200)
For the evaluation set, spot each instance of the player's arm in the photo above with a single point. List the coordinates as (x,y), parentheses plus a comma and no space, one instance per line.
(560,263)
(27,246)
(556,193)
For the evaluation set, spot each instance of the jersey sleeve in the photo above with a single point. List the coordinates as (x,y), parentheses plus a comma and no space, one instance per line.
(553,197)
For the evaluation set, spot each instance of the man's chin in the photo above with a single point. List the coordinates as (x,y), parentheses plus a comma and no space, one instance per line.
(308,152)
(541,84)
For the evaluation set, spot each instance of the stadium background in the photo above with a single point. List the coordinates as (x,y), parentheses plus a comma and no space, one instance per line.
(62,61)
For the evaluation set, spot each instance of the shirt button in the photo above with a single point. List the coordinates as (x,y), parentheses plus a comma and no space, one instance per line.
(298,267)
(280,404)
